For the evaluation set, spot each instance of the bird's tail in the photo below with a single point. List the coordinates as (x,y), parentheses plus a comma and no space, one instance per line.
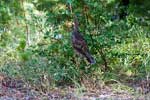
(90,59)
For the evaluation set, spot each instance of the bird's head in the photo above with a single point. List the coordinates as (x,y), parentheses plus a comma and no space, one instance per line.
(75,23)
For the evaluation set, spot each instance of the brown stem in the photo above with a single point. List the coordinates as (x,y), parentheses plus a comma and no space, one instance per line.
(26,26)
(100,50)
(17,21)
(104,59)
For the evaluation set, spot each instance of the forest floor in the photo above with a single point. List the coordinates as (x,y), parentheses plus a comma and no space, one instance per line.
(14,89)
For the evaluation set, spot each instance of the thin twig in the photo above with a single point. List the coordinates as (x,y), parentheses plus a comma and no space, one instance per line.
(26,26)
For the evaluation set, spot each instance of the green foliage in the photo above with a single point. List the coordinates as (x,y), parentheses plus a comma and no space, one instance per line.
(4,38)
(22,45)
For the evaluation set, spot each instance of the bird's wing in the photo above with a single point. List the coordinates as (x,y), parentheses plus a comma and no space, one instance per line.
(79,43)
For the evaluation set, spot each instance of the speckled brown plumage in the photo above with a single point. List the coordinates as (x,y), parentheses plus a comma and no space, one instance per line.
(79,43)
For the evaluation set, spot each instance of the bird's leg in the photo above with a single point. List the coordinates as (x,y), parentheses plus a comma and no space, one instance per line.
(76,60)
(88,66)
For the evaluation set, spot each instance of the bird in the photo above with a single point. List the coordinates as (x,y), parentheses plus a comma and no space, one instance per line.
(79,44)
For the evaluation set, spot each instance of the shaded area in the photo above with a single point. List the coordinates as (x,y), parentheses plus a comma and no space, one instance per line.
(11,89)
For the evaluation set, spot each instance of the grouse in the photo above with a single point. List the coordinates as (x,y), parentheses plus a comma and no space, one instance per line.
(79,43)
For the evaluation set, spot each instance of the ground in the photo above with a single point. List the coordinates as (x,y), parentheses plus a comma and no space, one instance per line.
(15,89)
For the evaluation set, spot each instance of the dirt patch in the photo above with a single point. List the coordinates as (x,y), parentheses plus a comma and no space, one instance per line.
(16,89)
